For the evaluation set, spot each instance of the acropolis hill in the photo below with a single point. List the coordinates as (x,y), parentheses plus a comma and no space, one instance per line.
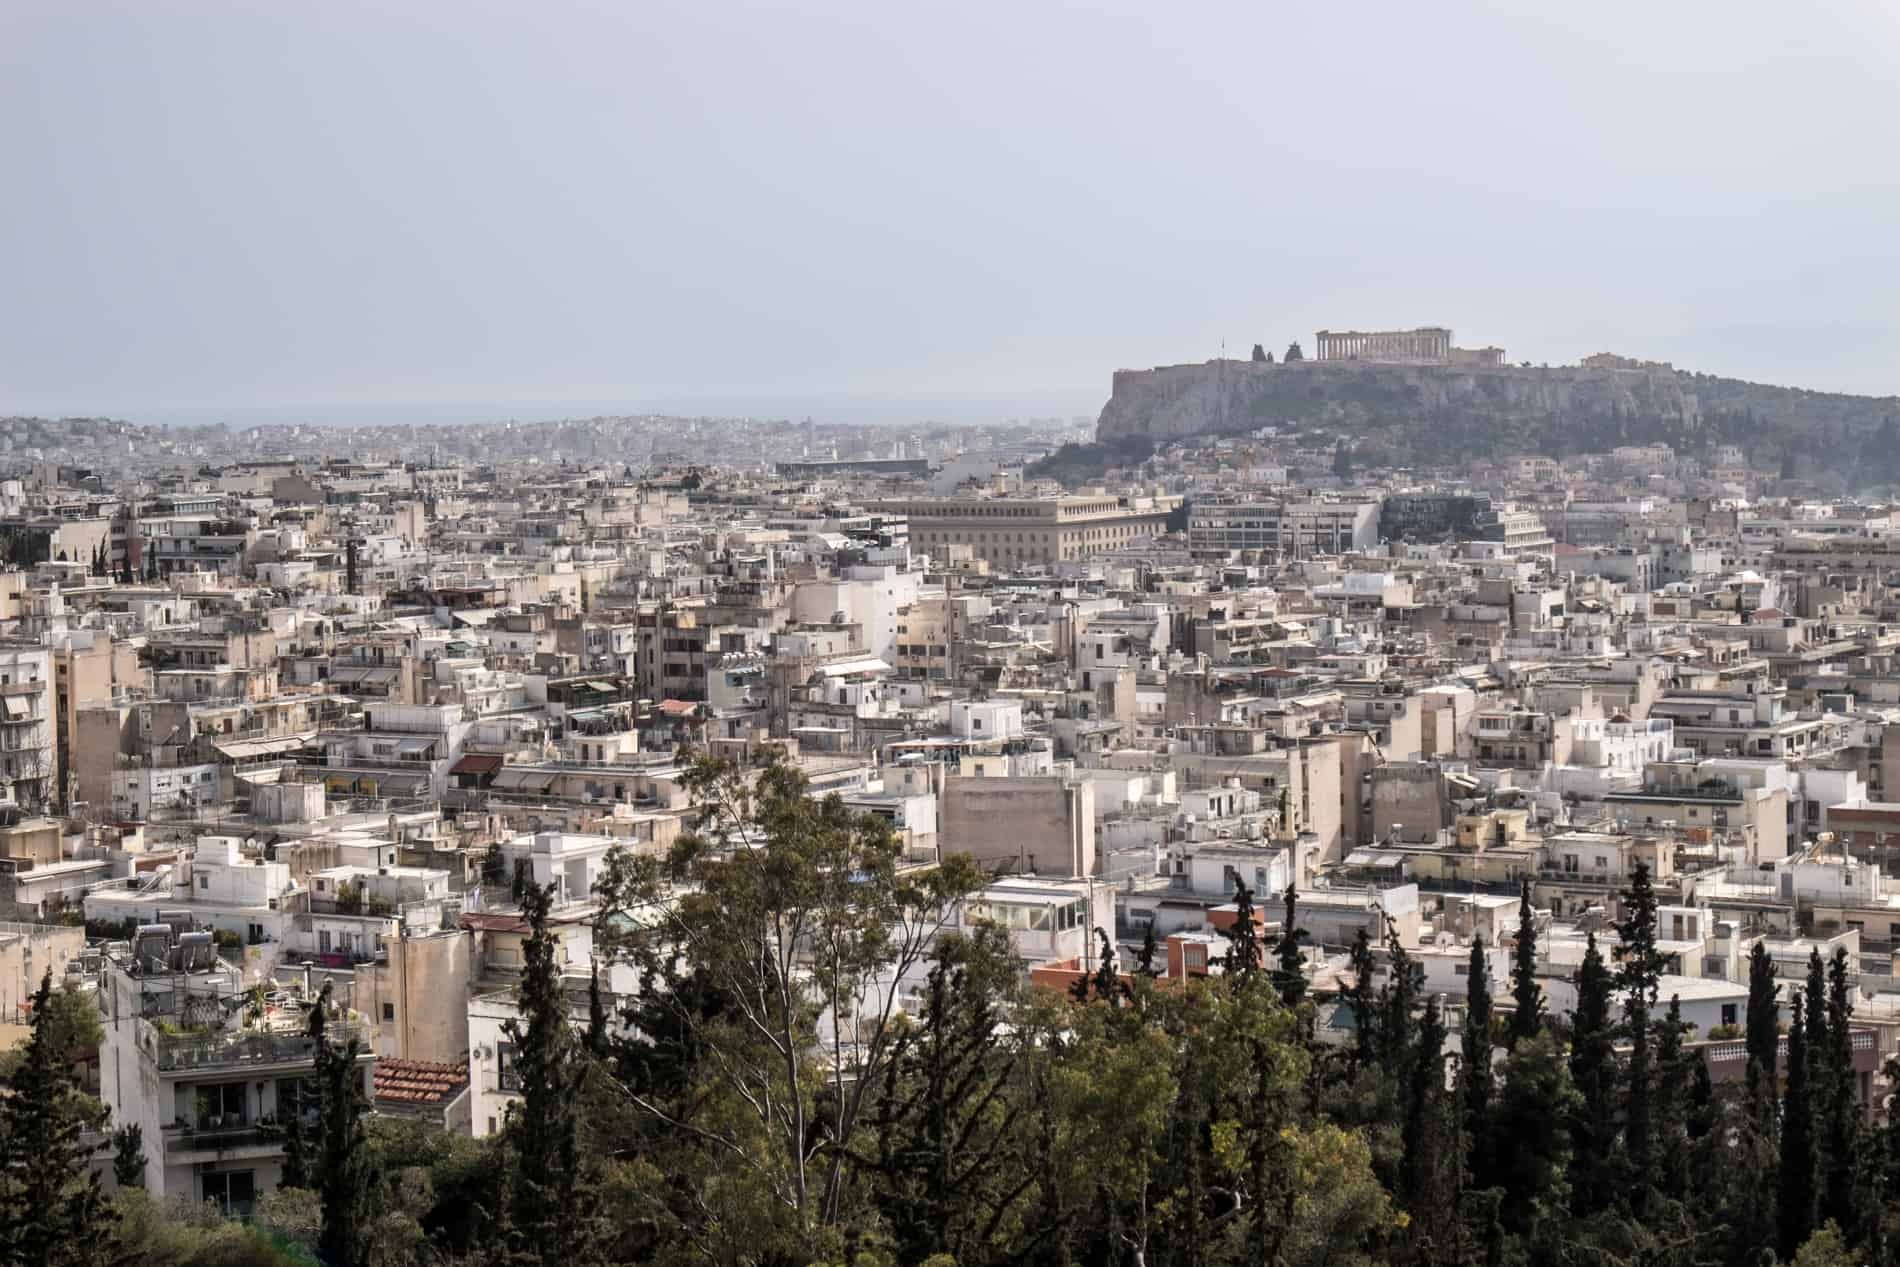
(1440,410)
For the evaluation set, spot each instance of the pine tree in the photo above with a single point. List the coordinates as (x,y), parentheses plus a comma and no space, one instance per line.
(346,1179)
(1259,355)
(1293,352)
(951,1150)
(1474,1068)
(1593,1071)
(1794,1203)
(549,1184)
(1292,972)
(50,1208)
(1342,459)
(1527,1015)
(1764,1020)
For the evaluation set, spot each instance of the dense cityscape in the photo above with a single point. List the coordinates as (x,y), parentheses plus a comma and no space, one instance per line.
(872,850)
(977,635)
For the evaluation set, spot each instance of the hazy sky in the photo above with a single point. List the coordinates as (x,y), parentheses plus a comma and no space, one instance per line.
(223,210)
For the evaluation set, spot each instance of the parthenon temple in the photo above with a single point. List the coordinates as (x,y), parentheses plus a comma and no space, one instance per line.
(1431,344)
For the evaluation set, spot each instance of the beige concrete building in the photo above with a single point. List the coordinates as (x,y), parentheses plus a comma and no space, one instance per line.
(1040,826)
(416,998)
(87,666)
(1013,531)
(27,953)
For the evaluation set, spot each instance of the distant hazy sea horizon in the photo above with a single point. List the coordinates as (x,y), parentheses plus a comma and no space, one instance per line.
(851,410)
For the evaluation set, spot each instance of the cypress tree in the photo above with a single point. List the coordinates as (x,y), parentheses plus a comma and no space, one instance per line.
(1292,970)
(1536,1107)
(50,1208)
(1794,1198)
(1243,939)
(1638,976)
(549,1186)
(1474,1076)
(290,1114)
(1397,999)
(1764,1018)
(1593,1071)
(1145,960)
(1527,1014)
(1363,1002)
(1425,1153)
(1890,1127)
(128,1156)
(1108,985)
(1840,1133)
(346,1180)
(596,1013)
(1672,1128)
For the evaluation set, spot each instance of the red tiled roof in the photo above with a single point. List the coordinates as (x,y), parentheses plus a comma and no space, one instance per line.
(419,1081)
(477,763)
(678,707)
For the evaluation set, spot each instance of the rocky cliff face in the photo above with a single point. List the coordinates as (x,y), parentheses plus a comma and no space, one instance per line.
(1435,412)
(1224,396)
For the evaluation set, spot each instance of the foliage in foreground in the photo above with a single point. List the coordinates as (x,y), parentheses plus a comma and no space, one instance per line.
(1132,1121)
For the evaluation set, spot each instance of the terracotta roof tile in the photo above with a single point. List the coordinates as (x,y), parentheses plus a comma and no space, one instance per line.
(419,1081)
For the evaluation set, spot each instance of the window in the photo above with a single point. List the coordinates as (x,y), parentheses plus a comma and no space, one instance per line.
(389,1011)
(204,882)
(1728,1014)
(508,1078)
(234,1191)
(222,1105)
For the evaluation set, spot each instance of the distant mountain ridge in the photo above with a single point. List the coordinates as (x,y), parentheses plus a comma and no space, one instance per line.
(1437,413)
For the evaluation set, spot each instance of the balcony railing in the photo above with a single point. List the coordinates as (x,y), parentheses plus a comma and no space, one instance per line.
(246,1047)
(221,1139)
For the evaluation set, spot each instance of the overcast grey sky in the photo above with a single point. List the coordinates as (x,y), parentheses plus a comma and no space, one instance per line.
(444,209)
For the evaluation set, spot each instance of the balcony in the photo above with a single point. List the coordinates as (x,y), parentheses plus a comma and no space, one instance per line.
(242,1137)
(245,1048)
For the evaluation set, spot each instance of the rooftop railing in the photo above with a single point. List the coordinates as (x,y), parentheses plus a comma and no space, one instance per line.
(246,1047)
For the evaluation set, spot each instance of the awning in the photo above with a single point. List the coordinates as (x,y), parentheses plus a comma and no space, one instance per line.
(863,664)
(1373,858)
(14,705)
(250,749)
(477,763)
(524,779)
(360,674)
(407,747)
